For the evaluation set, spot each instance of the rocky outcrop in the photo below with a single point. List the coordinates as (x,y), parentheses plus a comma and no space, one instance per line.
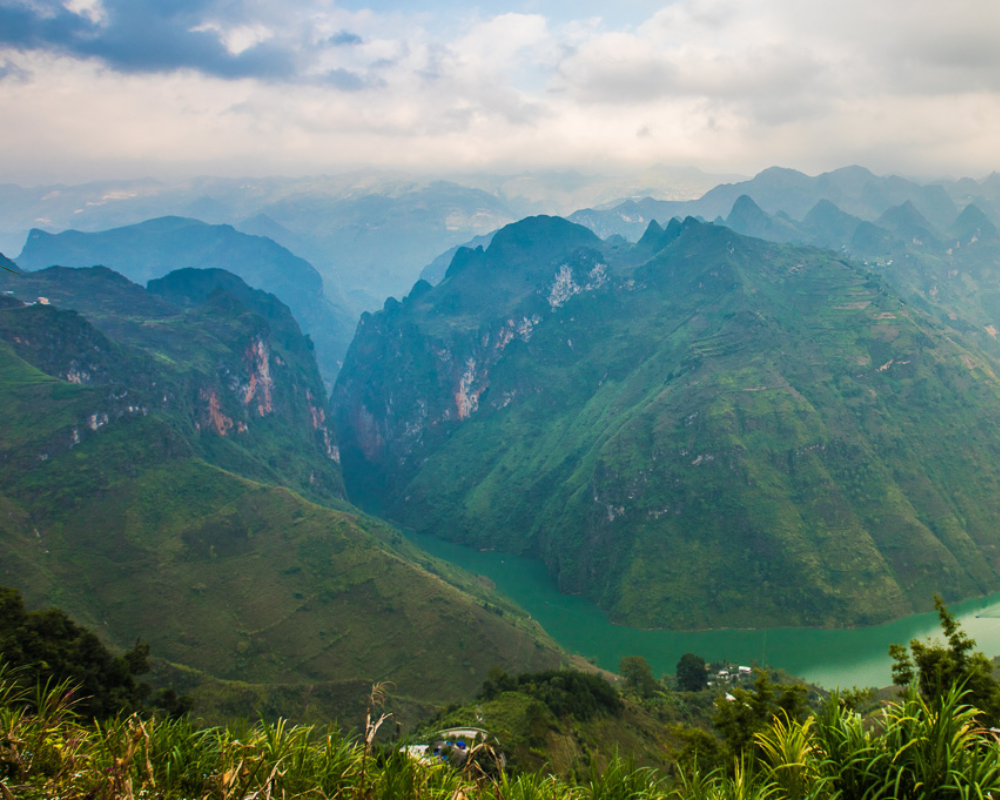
(408,381)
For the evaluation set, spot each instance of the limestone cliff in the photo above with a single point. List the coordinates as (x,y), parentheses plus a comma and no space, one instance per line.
(200,348)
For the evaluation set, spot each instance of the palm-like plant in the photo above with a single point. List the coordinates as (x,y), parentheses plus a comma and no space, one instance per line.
(794,760)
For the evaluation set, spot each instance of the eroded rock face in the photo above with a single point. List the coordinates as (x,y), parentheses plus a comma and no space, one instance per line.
(260,386)
(411,376)
(206,350)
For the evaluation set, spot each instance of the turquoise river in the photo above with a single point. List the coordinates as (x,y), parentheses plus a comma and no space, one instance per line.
(830,658)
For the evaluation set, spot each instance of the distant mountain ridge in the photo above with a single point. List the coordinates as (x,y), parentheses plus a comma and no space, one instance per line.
(368,232)
(855,190)
(701,430)
(950,269)
(155,247)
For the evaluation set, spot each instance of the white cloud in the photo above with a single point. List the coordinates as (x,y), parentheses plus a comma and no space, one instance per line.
(243,37)
(726,85)
(617,68)
(93,10)
(237,38)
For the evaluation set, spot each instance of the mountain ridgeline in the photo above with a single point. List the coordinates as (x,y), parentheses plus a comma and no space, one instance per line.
(698,430)
(151,249)
(779,191)
(949,267)
(936,245)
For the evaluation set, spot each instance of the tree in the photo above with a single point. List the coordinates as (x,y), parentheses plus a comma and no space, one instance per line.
(638,676)
(691,675)
(936,667)
(743,713)
(562,691)
(699,751)
(47,646)
(496,683)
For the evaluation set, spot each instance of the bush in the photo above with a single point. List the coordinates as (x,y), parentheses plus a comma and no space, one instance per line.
(565,692)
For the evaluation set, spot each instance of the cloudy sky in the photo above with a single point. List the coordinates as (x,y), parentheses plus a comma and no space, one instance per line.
(126,88)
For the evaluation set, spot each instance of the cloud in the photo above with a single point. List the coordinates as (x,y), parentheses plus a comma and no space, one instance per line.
(11,71)
(345,79)
(617,69)
(36,27)
(235,39)
(313,86)
(341,38)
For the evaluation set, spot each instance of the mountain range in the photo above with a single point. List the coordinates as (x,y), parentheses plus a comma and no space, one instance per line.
(699,430)
(788,416)
(951,272)
(368,232)
(855,190)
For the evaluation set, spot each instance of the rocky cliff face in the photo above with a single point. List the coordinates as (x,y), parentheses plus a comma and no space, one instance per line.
(243,384)
(420,367)
(700,430)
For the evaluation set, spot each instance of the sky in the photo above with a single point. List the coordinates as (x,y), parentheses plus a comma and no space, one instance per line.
(93,89)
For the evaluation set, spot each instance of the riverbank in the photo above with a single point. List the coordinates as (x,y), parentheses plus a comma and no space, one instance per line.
(828,657)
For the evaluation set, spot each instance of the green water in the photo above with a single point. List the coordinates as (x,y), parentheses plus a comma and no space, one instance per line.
(830,658)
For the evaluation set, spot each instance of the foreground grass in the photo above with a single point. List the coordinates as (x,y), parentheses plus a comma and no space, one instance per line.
(910,749)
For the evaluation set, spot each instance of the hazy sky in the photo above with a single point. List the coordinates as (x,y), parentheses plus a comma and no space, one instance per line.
(119,88)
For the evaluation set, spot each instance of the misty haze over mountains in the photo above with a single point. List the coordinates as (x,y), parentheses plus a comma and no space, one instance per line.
(545,367)
(369,234)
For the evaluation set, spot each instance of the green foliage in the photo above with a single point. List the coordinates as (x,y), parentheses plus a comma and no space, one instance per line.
(691,674)
(792,759)
(563,692)
(536,726)
(699,750)
(937,668)
(47,648)
(638,676)
(621,779)
(747,712)
(910,751)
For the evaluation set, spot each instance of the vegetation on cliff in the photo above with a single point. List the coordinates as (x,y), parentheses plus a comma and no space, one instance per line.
(700,430)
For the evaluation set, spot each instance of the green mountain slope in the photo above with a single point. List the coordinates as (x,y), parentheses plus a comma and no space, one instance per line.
(242,386)
(952,273)
(727,433)
(129,501)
